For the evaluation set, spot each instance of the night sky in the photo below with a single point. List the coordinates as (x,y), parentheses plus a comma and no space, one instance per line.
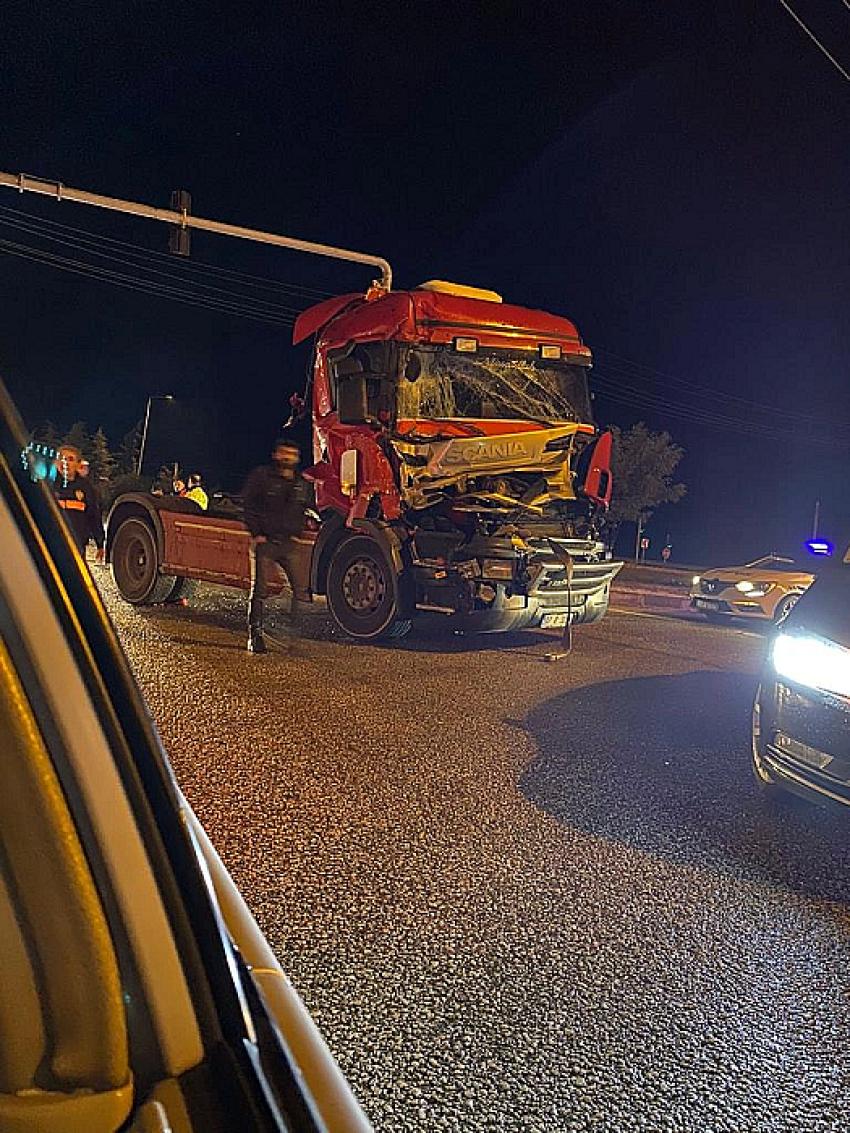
(672,176)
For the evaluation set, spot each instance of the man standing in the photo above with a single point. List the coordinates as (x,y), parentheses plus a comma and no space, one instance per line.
(275,499)
(76,496)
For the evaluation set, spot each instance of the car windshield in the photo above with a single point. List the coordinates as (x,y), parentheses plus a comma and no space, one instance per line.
(492,384)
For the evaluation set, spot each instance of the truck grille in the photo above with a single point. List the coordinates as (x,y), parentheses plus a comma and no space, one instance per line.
(590,570)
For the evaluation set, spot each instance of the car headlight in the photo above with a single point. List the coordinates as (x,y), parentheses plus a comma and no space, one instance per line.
(812,661)
(695,580)
(755,589)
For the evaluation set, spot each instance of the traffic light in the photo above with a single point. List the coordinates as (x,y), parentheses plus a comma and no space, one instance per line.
(179,238)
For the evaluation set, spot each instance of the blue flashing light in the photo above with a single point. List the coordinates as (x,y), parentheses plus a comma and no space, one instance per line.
(821,547)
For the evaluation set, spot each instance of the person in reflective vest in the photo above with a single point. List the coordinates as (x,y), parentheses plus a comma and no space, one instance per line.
(196,491)
(78,500)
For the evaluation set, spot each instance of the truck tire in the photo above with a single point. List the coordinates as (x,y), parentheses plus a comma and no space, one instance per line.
(366,596)
(135,565)
(183,589)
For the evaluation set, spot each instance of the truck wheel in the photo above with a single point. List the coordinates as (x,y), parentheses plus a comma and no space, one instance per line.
(135,565)
(364,592)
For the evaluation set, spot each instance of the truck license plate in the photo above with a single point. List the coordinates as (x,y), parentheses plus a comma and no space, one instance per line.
(706,604)
(550,621)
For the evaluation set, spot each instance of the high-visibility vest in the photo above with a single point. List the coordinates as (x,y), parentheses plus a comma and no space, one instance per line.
(199,496)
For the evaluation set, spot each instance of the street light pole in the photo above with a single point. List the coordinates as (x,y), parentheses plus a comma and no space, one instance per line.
(816,519)
(157,397)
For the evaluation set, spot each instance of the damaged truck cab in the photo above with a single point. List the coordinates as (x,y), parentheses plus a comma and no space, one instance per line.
(456,466)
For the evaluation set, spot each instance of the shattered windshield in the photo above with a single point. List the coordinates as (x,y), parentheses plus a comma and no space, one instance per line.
(494,384)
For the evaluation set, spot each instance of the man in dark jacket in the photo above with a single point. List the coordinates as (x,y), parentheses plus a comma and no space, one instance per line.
(78,499)
(275,499)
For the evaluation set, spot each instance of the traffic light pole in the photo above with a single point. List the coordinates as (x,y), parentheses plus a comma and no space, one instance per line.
(185,220)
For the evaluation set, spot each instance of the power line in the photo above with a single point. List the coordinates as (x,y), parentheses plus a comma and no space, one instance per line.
(135,283)
(693,412)
(629,395)
(85,246)
(815,39)
(311,293)
(616,390)
(641,370)
(702,413)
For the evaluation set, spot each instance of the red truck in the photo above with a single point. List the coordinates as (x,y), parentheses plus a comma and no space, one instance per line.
(456,466)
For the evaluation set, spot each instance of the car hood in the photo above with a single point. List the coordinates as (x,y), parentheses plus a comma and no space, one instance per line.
(759,574)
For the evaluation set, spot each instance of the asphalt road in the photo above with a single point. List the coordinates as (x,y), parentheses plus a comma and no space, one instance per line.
(520,895)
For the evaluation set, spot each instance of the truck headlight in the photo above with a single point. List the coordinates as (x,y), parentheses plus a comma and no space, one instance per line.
(695,580)
(812,661)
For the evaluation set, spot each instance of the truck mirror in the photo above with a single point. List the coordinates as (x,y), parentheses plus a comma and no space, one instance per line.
(352,405)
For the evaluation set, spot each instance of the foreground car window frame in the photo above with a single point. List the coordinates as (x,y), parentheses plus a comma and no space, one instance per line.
(217,988)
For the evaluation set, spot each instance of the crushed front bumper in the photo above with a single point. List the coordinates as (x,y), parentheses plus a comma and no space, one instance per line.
(509,592)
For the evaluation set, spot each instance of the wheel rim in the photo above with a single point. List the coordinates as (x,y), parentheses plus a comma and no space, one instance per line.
(364,586)
(137,562)
(787,606)
(134,562)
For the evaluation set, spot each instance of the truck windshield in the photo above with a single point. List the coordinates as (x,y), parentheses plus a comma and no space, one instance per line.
(491,384)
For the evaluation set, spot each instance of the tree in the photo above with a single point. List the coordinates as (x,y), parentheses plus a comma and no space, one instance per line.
(128,450)
(46,434)
(643,466)
(123,482)
(103,463)
(78,436)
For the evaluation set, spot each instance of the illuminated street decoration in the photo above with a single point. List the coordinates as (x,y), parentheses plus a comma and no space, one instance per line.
(39,460)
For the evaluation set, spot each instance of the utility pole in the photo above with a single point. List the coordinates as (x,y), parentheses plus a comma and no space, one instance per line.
(638,535)
(184,220)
